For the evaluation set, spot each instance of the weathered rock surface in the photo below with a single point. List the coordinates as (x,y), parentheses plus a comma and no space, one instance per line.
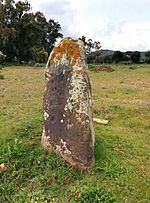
(68,125)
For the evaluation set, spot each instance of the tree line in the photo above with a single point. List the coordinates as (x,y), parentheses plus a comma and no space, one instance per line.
(29,37)
(127,57)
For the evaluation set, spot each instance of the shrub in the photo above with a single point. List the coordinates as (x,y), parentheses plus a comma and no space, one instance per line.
(91,66)
(40,64)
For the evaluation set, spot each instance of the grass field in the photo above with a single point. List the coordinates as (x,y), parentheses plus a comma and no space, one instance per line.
(122,152)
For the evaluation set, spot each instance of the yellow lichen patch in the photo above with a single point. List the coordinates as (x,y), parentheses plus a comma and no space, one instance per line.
(80,119)
(69,48)
(78,71)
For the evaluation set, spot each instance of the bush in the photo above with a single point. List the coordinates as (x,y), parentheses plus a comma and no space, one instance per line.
(91,66)
(40,65)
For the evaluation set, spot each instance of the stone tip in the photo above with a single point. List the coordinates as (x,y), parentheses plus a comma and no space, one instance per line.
(68,49)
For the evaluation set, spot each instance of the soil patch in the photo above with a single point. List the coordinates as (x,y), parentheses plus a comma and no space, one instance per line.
(103,68)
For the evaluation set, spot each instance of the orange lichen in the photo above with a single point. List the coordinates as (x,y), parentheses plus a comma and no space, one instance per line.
(68,47)
(78,71)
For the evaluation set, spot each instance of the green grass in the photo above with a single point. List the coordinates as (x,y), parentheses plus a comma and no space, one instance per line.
(121,170)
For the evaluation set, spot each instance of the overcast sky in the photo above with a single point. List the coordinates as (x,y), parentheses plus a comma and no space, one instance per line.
(117,24)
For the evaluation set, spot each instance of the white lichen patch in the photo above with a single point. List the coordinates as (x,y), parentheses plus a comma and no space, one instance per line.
(45,140)
(78,100)
(70,126)
(62,61)
(47,78)
(58,148)
(46,115)
(47,73)
(65,148)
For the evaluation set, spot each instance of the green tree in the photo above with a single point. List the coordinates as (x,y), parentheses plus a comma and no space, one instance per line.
(119,56)
(23,30)
(134,56)
(40,55)
(147,57)
(90,45)
(97,45)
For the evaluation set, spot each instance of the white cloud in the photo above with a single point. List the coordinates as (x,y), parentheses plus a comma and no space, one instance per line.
(130,36)
(117,24)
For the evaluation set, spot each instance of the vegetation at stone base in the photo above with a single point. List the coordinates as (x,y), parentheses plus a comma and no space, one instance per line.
(121,170)
(24,35)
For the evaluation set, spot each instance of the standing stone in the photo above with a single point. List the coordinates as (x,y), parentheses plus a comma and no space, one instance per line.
(68,127)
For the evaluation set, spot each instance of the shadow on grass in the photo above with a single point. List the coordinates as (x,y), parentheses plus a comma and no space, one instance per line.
(100,149)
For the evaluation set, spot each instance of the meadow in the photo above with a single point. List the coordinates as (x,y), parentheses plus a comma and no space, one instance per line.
(122,152)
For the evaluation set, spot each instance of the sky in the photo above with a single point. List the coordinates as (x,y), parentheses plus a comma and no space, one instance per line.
(118,24)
